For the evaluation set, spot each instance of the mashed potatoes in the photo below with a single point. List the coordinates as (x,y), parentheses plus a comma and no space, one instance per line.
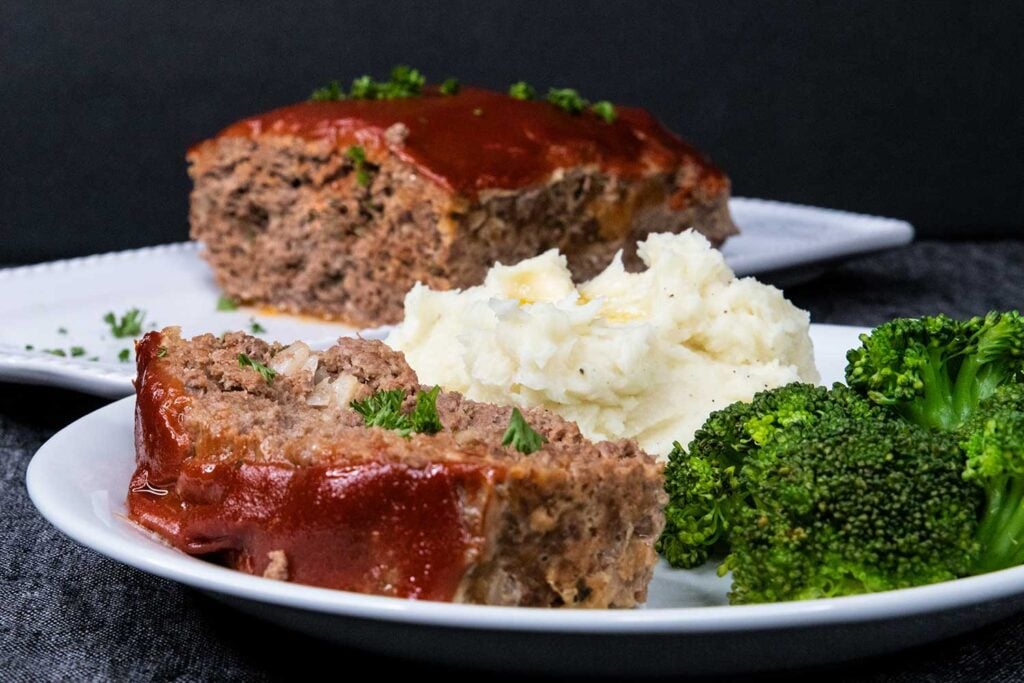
(643,355)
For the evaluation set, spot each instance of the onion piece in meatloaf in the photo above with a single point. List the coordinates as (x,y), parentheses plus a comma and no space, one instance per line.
(282,479)
(338,208)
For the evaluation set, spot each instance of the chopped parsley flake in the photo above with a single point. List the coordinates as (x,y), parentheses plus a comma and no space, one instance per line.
(357,155)
(450,86)
(161,352)
(425,419)
(522,91)
(566,99)
(77,351)
(332,92)
(405,82)
(124,355)
(268,374)
(62,330)
(384,410)
(520,435)
(55,352)
(227,303)
(128,325)
(255,327)
(605,110)
(29,347)
(363,88)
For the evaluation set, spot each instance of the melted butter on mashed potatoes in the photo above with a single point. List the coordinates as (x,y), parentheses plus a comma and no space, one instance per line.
(641,355)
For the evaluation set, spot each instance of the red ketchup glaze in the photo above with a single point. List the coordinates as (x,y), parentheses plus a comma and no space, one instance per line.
(161,442)
(481,139)
(372,527)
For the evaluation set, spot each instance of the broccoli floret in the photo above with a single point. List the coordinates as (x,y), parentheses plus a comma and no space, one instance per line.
(914,474)
(934,370)
(701,481)
(967,377)
(818,492)
(994,445)
(863,506)
(698,488)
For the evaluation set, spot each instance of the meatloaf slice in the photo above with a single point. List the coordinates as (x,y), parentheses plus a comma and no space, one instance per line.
(275,475)
(338,208)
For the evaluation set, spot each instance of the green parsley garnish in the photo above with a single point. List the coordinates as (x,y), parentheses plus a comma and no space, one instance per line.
(62,330)
(129,325)
(268,374)
(357,155)
(332,92)
(425,419)
(124,355)
(404,82)
(364,88)
(450,86)
(522,91)
(567,99)
(29,347)
(520,435)
(255,327)
(605,110)
(94,358)
(384,410)
(227,303)
(74,351)
(161,352)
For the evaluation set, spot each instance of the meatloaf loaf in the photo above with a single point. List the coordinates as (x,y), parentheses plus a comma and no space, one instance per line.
(250,454)
(337,208)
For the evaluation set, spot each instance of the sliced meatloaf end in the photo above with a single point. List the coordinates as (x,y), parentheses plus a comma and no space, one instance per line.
(338,208)
(270,471)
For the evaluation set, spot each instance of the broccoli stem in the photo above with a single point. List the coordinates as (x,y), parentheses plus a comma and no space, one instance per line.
(1001,531)
(965,390)
(936,409)
(995,510)
(990,376)
(976,381)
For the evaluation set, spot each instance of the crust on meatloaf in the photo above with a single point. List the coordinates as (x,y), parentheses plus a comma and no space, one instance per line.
(292,218)
(282,479)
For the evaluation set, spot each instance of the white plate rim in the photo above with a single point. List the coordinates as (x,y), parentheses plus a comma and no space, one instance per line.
(205,576)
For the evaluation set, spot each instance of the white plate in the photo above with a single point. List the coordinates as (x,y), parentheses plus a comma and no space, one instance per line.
(79,478)
(174,287)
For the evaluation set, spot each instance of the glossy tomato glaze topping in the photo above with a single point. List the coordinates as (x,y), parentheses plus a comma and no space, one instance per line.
(481,139)
(376,527)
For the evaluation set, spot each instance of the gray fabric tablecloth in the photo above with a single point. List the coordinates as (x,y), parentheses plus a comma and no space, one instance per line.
(67,613)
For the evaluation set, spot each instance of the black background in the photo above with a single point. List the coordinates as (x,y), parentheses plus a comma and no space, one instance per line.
(905,109)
